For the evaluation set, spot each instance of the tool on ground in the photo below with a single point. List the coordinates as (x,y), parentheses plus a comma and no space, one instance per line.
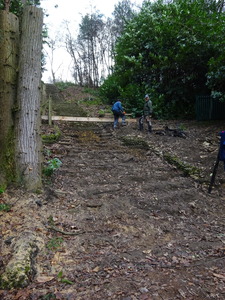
(220,157)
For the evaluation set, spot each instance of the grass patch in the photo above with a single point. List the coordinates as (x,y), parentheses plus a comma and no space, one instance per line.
(92,102)
(49,296)
(69,110)
(64,85)
(101,113)
(2,189)
(135,142)
(186,168)
(54,244)
(62,279)
(52,137)
(88,136)
(5,207)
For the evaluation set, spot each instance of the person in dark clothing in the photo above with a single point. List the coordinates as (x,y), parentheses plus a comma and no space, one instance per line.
(118,112)
(147,113)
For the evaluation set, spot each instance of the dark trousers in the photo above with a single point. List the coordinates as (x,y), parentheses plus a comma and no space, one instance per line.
(118,115)
(145,119)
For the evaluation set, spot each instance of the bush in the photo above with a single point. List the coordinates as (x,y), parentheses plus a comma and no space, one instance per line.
(110,89)
(52,165)
(5,207)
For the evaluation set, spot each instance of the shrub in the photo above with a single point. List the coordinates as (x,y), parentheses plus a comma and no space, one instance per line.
(52,165)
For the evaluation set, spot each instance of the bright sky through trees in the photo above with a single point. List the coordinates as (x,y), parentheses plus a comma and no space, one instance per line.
(59,11)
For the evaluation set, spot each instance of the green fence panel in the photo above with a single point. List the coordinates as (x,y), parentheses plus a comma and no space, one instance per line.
(207,108)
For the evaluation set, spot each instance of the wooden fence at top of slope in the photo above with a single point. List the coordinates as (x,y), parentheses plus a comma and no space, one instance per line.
(47,107)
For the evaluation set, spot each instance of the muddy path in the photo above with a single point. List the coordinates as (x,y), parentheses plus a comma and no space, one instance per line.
(120,221)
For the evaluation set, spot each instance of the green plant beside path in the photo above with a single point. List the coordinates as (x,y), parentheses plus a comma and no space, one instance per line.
(62,279)
(5,207)
(54,244)
(52,165)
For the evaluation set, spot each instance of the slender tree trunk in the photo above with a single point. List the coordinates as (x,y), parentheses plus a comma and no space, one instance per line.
(9,41)
(28,148)
(7,5)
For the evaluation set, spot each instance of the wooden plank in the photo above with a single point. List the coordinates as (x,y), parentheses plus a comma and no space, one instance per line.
(84,119)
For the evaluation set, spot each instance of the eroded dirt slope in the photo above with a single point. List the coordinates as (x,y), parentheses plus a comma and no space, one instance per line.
(121,222)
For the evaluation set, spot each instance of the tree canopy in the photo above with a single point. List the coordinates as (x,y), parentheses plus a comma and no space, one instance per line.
(174,51)
(16,6)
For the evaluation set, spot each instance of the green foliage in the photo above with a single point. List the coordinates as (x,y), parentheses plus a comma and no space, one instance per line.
(94,102)
(49,296)
(16,6)
(5,207)
(215,77)
(51,221)
(62,279)
(52,165)
(89,44)
(60,275)
(61,85)
(91,91)
(67,281)
(51,137)
(8,161)
(54,244)
(132,97)
(135,112)
(135,142)
(90,26)
(96,99)
(186,168)
(123,13)
(101,113)
(2,189)
(173,49)
(110,88)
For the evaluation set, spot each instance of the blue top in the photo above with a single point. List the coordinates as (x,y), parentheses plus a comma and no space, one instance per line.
(117,106)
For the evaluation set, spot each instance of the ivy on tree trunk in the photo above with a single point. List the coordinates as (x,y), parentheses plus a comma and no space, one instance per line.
(9,50)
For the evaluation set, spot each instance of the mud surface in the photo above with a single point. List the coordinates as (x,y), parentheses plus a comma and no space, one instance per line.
(122,218)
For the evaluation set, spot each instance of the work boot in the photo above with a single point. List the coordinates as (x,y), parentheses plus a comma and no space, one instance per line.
(140,123)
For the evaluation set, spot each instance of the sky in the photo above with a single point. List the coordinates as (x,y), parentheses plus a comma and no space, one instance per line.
(59,11)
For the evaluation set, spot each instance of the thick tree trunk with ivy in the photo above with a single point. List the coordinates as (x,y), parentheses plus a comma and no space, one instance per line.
(28,142)
(9,41)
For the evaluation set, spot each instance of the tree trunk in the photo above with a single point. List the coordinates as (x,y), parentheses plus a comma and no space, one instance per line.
(9,41)
(28,148)
(7,5)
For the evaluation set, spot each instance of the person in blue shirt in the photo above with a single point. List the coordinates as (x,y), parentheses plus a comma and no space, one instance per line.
(118,112)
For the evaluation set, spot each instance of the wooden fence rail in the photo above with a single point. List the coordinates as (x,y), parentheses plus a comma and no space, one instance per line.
(84,119)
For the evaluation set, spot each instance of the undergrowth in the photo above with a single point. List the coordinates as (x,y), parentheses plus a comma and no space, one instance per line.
(5,207)
(52,137)
(52,165)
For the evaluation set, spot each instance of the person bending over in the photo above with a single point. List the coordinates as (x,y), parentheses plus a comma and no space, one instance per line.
(118,112)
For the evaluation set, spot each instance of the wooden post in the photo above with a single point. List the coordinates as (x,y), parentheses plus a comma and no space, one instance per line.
(214,173)
(50,110)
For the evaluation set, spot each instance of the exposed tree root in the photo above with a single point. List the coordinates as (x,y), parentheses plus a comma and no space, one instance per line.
(20,269)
